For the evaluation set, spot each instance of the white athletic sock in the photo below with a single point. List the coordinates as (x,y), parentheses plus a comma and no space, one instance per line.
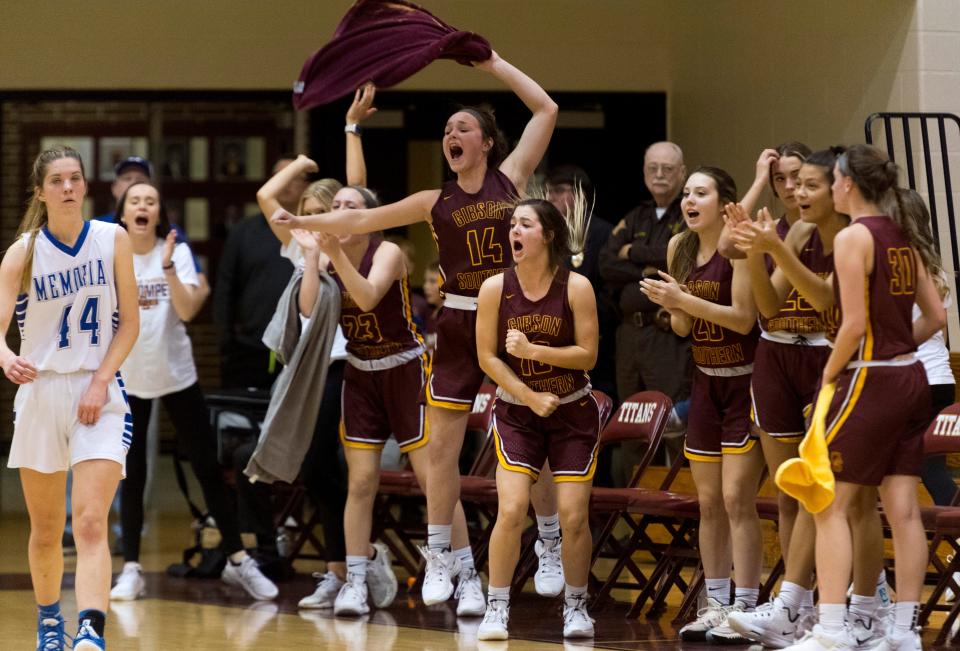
(571,593)
(832,618)
(792,595)
(719,589)
(465,554)
(549,526)
(498,594)
(863,607)
(748,596)
(357,566)
(905,615)
(438,536)
(883,594)
(807,599)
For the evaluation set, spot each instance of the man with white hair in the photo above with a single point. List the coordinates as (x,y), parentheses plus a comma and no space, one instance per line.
(649,355)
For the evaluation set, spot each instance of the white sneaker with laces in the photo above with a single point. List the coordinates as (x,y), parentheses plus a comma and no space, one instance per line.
(709,617)
(577,623)
(469,594)
(772,624)
(381,581)
(352,598)
(494,624)
(819,640)
(548,580)
(247,575)
(909,642)
(724,633)
(442,566)
(130,584)
(328,586)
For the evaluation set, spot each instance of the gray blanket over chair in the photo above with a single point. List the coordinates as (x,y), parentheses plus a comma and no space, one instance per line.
(295,398)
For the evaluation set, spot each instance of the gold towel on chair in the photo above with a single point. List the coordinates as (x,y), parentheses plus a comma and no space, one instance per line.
(809,478)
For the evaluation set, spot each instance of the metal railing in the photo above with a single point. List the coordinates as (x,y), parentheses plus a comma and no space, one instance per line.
(924,121)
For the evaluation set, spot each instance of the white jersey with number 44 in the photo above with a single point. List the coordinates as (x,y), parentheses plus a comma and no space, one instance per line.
(68,317)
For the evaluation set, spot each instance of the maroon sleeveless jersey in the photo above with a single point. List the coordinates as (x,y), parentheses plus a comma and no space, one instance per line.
(472,232)
(713,345)
(797,316)
(385,330)
(548,322)
(891,289)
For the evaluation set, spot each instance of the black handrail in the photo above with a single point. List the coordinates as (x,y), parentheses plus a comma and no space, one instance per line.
(925,118)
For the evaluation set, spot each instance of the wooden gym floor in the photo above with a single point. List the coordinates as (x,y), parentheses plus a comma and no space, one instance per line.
(204,615)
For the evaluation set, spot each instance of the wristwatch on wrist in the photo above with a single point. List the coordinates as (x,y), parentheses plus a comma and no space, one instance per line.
(353,128)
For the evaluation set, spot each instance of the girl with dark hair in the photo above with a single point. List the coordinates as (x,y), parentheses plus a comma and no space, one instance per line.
(709,297)
(71,283)
(545,409)
(469,219)
(879,387)
(161,365)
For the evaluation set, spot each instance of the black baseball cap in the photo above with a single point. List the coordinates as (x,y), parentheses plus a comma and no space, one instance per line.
(134,161)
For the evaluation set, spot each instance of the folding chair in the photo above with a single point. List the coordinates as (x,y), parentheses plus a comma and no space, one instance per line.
(942,522)
(642,417)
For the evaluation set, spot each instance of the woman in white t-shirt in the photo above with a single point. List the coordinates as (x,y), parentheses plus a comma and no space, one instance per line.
(161,366)
(936,477)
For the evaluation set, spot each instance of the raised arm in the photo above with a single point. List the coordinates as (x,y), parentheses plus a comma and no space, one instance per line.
(128,307)
(488,312)
(726,245)
(411,210)
(386,269)
(528,153)
(177,260)
(18,370)
(267,194)
(581,355)
(360,110)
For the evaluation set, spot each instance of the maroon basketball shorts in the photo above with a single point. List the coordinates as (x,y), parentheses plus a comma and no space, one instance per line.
(455,375)
(568,438)
(375,404)
(876,421)
(785,377)
(719,418)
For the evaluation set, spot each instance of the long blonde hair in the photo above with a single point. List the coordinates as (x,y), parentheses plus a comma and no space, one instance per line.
(914,219)
(36,216)
(323,191)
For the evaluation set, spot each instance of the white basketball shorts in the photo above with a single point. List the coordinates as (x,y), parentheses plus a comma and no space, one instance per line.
(47,437)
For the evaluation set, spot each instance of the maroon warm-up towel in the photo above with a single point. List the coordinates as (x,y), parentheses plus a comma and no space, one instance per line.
(384,42)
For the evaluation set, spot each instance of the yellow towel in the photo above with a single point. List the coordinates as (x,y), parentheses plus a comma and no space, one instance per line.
(809,478)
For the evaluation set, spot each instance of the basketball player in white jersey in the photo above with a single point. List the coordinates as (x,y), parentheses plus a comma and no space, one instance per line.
(71,285)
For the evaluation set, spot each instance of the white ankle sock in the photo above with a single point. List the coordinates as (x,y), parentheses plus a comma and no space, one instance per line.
(548,526)
(719,589)
(438,536)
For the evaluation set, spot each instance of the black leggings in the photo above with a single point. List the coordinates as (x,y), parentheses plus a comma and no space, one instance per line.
(191,422)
